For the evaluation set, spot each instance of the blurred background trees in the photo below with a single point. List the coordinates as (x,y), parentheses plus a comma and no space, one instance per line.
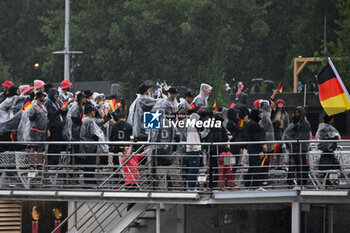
(185,42)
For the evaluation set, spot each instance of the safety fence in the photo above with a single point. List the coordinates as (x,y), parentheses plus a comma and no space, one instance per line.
(151,166)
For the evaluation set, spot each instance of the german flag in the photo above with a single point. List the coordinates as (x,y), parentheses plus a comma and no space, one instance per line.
(119,103)
(277,145)
(113,104)
(12,136)
(280,89)
(215,106)
(27,106)
(240,123)
(82,117)
(333,95)
(64,104)
(266,158)
(191,107)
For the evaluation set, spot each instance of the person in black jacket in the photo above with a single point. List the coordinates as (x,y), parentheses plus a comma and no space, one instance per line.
(235,133)
(216,135)
(55,114)
(254,132)
(299,129)
(121,131)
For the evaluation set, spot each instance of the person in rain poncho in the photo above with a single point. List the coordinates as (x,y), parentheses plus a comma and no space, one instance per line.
(200,102)
(90,131)
(142,103)
(38,122)
(326,131)
(10,116)
(266,123)
(7,107)
(168,108)
(102,119)
(6,85)
(185,103)
(299,129)
(23,126)
(39,86)
(71,130)
(65,96)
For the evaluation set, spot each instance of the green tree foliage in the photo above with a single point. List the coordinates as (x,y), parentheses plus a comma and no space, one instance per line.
(20,36)
(185,42)
(340,47)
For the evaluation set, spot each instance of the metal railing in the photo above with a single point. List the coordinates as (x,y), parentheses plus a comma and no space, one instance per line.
(167,167)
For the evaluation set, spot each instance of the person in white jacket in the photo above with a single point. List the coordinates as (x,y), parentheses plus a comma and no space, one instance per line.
(193,150)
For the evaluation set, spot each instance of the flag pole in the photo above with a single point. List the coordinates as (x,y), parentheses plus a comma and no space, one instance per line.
(338,77)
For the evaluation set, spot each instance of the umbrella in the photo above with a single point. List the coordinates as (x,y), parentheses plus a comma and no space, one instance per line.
(269,82)
(255,80)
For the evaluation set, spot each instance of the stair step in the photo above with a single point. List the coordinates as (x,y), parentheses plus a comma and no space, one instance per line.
(137,226)
(146,218)
(154,210)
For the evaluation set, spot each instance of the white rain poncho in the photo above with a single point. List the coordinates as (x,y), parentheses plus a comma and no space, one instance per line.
(38,123)
(266,123)
(141,104)
(11,114)
(183,105)
(200,99)
(7,108)
(105,126)
(90,131)
(71,130)
(168,108)
(23,128)
(62,97)
(327,132)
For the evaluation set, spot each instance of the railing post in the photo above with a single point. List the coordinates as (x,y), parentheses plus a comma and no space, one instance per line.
(295,217)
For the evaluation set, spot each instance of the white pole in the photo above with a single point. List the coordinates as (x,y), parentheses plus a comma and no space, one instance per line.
(66,44)
(158,219)
(295,217)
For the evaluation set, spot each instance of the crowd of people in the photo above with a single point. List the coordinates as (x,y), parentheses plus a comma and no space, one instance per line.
(42,112)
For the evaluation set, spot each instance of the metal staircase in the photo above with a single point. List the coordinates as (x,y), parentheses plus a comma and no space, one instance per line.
(106,217)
